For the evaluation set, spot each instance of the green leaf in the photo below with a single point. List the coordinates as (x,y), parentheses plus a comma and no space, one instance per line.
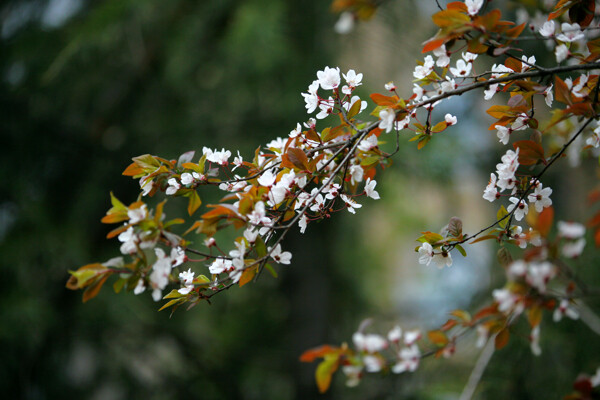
(325,370)
(194,202)
(501,214)
(172,303)
(461,250)
(173,294)
(270,268)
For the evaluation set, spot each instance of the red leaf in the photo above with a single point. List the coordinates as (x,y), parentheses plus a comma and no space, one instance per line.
(530,152)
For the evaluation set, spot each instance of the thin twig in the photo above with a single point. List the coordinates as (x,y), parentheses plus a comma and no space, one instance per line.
(477,373)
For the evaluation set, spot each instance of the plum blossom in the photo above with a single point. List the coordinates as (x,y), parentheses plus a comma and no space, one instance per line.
(173,186)
(311,98)
(564,308)
(282,257)
(520,206)
(368,143)
(187,278)
(345,23)
(539,274)
(137,214)
(370,189)
(442,259)
(353,373)
(561,52)
(500,69)
(548,95)
(408,360)
(220,265)
(351,204)
(217,157)
(443,59)
(326,107)
(129,240)
(540,197)
(267,178)
(490,91)
(547,30)
(491,193)
(425,254)
(303,223)
(507,301)
(329,78)
(370,343)
(573,249)
(422,71)
(356,174)
(473,6)
(503,133)
(395,334)
(161,270)
(353,79)
(594,139)
(462,69)
(450,119)
(390,86)
(140,287)
(387,117)
(258,215)
(570,32)
(469,57)
(570,230)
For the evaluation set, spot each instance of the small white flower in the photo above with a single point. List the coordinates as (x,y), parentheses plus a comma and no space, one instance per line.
(442,55)
(329,78)
(303,223)
(282,257)
(395,334)
(422,71)
(503,133)
(139,288)
(187,278)
(425,254)
(390,86)
(561,53)
(387,117)
(353,79)
(173,186)
(137,214)
(491,193)
(267,178)
(571,32)
(450,119)
(541,197)
(473,6)
(462,69)
(595,379)
(469,57)
(573,249)
(345,23)
(368,143)
(370,189)
(442,259)
(408,360)
(547,30)
(521,208)
(490,91)
(548,95)
(565,308)
(570,230)
(351,204)
(220,265)
(356,174)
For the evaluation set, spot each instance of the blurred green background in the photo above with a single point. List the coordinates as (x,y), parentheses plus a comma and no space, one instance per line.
(86,85)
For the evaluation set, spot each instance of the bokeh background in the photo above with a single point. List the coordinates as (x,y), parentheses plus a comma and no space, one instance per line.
(86,85)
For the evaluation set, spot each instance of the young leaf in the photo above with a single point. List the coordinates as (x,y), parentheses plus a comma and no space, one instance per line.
(325,371)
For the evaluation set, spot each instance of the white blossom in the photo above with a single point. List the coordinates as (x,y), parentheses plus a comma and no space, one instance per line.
(520,206)
(370,189)
(387,117)
(329,78)
(547,30)
(473,6)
